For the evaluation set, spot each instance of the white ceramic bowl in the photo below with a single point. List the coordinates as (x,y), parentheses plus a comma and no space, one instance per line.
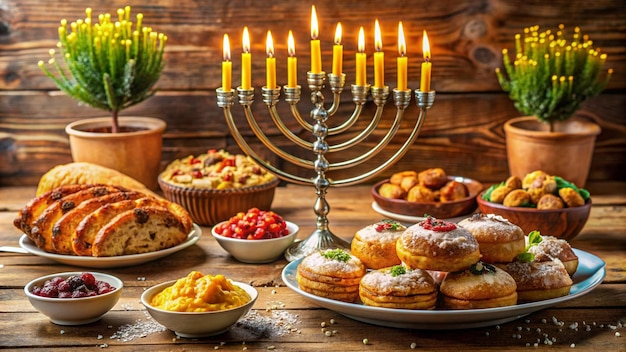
(197,324)
(75,311)
(258,251)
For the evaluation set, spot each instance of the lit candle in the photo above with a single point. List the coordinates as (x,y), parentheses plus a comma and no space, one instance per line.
(402,59)
(426,65)
(361,74)
(246,61)
(379,58)
(227,66)
(270,62)
(316,52)
(292,62)
(337,52)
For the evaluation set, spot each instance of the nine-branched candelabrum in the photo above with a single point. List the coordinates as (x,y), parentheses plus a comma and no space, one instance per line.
(107,64)
(550,77)
(322,237)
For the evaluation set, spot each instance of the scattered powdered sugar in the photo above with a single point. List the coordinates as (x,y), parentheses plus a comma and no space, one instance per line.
(141,328)
(256,325)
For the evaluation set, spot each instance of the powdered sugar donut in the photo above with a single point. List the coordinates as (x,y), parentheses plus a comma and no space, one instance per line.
(500,241)
(375,244)
(552,248)
(538,281)
(398,287)
(437,245)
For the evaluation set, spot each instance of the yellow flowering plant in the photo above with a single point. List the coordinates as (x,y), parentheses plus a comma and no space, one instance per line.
(551,76)
(108,64)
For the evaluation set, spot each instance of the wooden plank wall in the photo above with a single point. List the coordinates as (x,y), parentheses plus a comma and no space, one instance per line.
(463,132)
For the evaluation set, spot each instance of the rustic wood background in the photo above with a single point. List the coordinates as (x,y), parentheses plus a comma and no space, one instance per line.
(463,132)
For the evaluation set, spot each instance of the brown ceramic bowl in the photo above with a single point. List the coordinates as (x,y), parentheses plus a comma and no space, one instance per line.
(210,206)
(561,223)
(440,210)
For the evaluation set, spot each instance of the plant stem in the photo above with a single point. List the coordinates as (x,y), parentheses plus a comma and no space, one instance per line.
(115,124)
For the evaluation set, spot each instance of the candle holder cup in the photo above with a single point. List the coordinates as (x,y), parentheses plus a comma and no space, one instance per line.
(322,237)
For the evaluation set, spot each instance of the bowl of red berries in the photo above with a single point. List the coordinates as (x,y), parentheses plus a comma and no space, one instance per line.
(255,236)
(74,298)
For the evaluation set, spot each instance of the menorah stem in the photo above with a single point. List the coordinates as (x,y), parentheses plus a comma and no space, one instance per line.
(322,237)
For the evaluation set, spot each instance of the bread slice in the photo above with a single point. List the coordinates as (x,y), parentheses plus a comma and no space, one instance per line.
(139,230)
(64,229)
(33,209)
(87,230)
(41,230)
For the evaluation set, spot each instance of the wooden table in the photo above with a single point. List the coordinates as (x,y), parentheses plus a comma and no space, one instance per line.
(284,320)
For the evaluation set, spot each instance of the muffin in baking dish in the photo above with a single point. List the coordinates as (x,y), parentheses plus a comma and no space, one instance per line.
(538,281)
(217,185)
(375,244)
(481,286)
(331,273)
(500,241)
(398,287)
(437,245)
(216,170)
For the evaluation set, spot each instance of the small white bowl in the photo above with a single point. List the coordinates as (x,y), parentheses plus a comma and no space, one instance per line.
(75,311)
(197,324)
(257,251)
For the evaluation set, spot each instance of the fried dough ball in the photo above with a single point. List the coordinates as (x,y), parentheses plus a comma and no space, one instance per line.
(516,198)
(396,178)
(571,197)
(513,182)
(408,182)
(452,191)
(433,178)
(498,194)
(550,201)
(540,187)
(420,193)
(532,177)
(390,190)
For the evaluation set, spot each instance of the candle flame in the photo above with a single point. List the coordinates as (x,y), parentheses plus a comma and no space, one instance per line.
(226,46)
(291,45)
(401,40)
(246,40)
(378,40)
(269,44)
(314,29)
(338,34)
(426,47)
(361,45)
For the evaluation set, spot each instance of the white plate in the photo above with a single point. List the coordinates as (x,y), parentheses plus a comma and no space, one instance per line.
(590,273)
(111,262)
(408,219)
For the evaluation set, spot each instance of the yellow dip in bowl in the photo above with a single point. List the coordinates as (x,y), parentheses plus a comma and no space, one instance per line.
(201,293)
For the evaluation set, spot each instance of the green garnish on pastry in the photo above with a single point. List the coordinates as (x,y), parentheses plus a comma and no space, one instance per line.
(336,254)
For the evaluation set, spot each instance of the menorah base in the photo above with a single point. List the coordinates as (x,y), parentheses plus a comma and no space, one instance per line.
(318,240)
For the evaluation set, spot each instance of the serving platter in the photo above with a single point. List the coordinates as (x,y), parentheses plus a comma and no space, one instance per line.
(111,262)
(590,273)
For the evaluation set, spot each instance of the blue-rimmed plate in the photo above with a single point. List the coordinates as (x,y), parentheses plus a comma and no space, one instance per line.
(111,262)
(590,273)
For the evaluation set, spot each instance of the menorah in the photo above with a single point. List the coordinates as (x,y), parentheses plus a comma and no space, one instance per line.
(322,237)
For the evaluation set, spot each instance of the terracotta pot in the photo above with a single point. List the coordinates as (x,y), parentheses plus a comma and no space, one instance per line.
(136,153)
(566,152)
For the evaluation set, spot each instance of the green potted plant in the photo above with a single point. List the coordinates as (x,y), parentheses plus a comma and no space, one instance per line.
(111,63)
(550,77)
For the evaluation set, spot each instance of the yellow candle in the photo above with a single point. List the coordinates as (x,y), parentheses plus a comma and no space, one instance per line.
(402,59)
(292,63)
(338,52)
(361,73)
(426,66)
(246,61)
(227,66)
(316,52)
(379,58)
(270,62)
